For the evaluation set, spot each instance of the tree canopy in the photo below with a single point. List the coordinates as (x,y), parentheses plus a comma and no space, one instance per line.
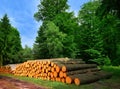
(109,6)
(10,42)
(86,36)
(48,9)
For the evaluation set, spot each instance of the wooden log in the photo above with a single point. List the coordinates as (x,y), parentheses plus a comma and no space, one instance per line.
(76,72)
(52,69)
(51,75)
(55,74)
(64,74)
(52,64)
(49,69)
(70,67)
(89,78)
(61,74)
(93,69)
(74,62)
(81,71)
(69,79)
(58,68)
(58,79)
(63,80)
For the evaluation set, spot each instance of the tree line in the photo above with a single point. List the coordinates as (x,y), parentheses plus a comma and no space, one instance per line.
(93,35)
(11,50)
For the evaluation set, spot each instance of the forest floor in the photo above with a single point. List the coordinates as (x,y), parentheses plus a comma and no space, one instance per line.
(112,83)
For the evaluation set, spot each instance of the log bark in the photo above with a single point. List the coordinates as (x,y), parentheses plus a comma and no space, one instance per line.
(75,72)
(69,61)
(74,62)
(81,71)
(70,67)
(90,77)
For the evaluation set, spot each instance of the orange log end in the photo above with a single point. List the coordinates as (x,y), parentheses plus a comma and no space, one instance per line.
(77,81)
(55,74)
(61,74)
(57,68)
(63,80)
(64,69)
(68,80)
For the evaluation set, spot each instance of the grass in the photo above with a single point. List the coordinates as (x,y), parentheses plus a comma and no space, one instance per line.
(112,83)
(115,70)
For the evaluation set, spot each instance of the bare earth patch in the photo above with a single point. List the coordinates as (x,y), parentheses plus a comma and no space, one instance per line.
(10,83)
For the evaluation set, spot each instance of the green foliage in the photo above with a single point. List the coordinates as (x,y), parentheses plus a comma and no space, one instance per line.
(93,53)
(108,6)
(4,32)
(114,69)
(97,57)
(102,61)
(102,36)
(27,53)
(110,34)
(54,40)
(14,47)
(10,43)
(86,36)
(91,44)
(36,51)
(67,23)
(52,46)
(48,9)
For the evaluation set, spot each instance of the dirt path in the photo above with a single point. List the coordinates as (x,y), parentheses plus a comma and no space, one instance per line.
(10,83)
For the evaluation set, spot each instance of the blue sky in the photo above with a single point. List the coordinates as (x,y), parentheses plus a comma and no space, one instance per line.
(20,13)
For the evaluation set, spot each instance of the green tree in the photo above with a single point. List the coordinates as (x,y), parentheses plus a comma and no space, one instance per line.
(91,43)
(108,6)
(4,32)
(10,43)
(14,42)
(52,45)
(48,9)
(67,23)
(36,53)
(27,53)
(39,49)
(110,13)
(110,37)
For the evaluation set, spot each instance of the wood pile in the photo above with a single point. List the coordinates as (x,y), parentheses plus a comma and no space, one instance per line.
(5,69)
(62,69)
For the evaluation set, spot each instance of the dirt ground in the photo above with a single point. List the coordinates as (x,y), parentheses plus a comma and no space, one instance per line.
(10,83)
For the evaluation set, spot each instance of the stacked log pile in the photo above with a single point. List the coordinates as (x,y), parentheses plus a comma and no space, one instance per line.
(5,69)
(62,70)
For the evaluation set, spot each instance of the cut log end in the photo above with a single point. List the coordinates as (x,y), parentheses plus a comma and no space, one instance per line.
(64,69)
(63,80)
(55,74)
(77,81)
(57,68)
(68,80)
(61,74)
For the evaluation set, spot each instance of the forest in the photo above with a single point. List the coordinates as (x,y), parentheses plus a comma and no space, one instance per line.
(92,35)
